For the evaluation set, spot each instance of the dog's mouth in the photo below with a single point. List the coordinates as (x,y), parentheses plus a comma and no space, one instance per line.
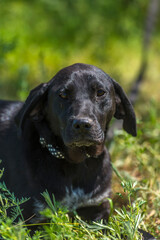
(84,140)
(81,144)
(80,153)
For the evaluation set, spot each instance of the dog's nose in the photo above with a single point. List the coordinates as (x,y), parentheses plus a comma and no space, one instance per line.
(82,124)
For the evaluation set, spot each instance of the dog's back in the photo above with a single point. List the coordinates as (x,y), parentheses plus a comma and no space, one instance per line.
(8,110)
(11,146)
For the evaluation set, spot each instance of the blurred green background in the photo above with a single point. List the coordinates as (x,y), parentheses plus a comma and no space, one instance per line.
(39,37)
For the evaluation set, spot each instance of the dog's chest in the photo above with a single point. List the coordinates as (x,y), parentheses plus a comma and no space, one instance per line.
(76,198)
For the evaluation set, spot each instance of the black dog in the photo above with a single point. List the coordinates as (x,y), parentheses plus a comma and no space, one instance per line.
(55,140)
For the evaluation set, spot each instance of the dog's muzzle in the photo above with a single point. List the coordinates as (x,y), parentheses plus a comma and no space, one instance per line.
(83,132)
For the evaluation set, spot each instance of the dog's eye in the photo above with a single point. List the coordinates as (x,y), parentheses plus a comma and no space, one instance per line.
(63,94)
(100,92)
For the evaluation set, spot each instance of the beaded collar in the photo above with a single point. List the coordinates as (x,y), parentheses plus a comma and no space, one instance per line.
(54,151)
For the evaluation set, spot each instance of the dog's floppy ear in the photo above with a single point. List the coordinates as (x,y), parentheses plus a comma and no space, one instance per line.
(33,104)
(124,110)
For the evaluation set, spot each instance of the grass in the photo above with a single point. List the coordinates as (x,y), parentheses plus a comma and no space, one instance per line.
(59,226)
(136,193)
(138,159)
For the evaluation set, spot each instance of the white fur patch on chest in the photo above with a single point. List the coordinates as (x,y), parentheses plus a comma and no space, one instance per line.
(76,198)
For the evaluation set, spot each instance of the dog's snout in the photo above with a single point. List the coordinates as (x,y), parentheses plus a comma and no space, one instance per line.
(82,124)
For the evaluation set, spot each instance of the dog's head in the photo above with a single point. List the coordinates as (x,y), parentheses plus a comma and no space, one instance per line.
(78,104)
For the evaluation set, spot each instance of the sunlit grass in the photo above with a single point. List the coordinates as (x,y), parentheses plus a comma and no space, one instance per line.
(138,159)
